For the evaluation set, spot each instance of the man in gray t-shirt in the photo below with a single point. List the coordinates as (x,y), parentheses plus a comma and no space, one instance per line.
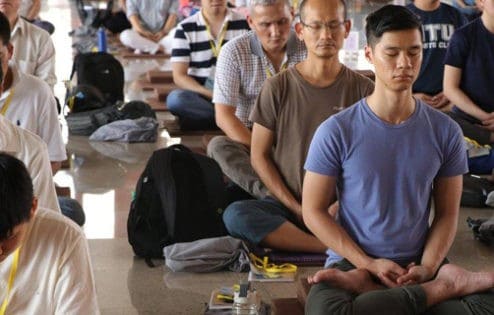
(288,110)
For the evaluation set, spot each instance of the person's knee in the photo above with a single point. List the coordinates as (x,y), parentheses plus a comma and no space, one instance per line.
(176,100)
(232,218)
(238,219)
(125,37)
(216,146)
(317,302)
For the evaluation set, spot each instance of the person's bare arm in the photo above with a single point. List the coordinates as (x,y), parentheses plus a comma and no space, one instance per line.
(447,193)
(231,125)
(452,90)
(33,12)
(318,194)
(123,5)
(184,81)
(263,164)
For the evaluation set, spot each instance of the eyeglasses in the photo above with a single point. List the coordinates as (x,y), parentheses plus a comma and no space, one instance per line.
(317,27)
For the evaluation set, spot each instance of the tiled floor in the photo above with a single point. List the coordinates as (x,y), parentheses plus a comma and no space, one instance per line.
(102,177)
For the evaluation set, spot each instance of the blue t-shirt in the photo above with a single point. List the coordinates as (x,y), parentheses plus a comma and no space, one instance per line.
(472,50)
(384,175)
(437,28)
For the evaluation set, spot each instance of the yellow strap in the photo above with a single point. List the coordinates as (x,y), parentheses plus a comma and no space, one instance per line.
(476,144)
(7,103)
(13,271)
(216,47)
(264,265)
(268,72)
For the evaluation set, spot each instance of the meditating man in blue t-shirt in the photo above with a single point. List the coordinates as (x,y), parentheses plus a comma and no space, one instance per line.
(387,156)
(469,75)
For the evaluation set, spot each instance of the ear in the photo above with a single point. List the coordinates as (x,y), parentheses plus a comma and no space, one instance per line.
(10,49)
(34,208)
(250,22)
(348,27)
(299,30)
(368,54)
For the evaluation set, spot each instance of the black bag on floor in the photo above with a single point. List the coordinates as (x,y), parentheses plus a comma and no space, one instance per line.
(475,191)
(85,123)
(101,70)
(180,197)
(483,230)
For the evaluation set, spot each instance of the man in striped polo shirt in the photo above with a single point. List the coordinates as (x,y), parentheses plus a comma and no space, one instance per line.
(196,46)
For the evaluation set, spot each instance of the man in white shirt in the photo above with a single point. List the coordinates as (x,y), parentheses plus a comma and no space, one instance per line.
(44,259)
(34,51)
(35,111)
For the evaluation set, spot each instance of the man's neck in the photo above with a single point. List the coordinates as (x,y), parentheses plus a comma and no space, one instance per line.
(276,57)
(488,23)
(318,71)
(391,106)
(13,21)
(214,18)
(7,81)
(427,5)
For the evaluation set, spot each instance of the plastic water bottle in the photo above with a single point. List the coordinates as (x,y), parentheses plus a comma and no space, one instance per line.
(245,302)
(242,306)
(101,39)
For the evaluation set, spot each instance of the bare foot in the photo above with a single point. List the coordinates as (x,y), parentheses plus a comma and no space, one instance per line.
(356,280)
(462,282)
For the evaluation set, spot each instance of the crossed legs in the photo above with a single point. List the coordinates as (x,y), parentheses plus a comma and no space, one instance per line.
(453,291)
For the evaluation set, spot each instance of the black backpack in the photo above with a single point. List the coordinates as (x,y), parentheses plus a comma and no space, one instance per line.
(180,197)
(103,71)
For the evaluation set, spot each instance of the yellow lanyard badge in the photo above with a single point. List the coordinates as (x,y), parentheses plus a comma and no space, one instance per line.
(13,272)
(216,47)
(264,266)
(7,104)
(268,72)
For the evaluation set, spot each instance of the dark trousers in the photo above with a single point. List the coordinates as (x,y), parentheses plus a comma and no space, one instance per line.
(471,127)
(326,299)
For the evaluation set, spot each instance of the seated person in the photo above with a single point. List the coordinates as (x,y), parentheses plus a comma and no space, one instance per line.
(468,76)
(35,111)
(243,65)
(29,10)
(197,43)
(384,258)
(151,22)
(31,150)
(34,52)
(439,21)
(44,257)
(290,107)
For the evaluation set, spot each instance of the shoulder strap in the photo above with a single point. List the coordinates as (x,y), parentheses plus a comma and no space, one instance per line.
(161,169)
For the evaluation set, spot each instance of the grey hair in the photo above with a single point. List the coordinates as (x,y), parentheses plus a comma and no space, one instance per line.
(264,3)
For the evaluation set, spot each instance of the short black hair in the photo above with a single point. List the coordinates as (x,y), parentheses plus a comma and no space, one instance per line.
(302,7)
(16,194)
(4,29)
(387,19)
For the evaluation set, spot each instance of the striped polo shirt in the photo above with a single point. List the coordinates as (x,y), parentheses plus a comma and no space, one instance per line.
(191,43)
